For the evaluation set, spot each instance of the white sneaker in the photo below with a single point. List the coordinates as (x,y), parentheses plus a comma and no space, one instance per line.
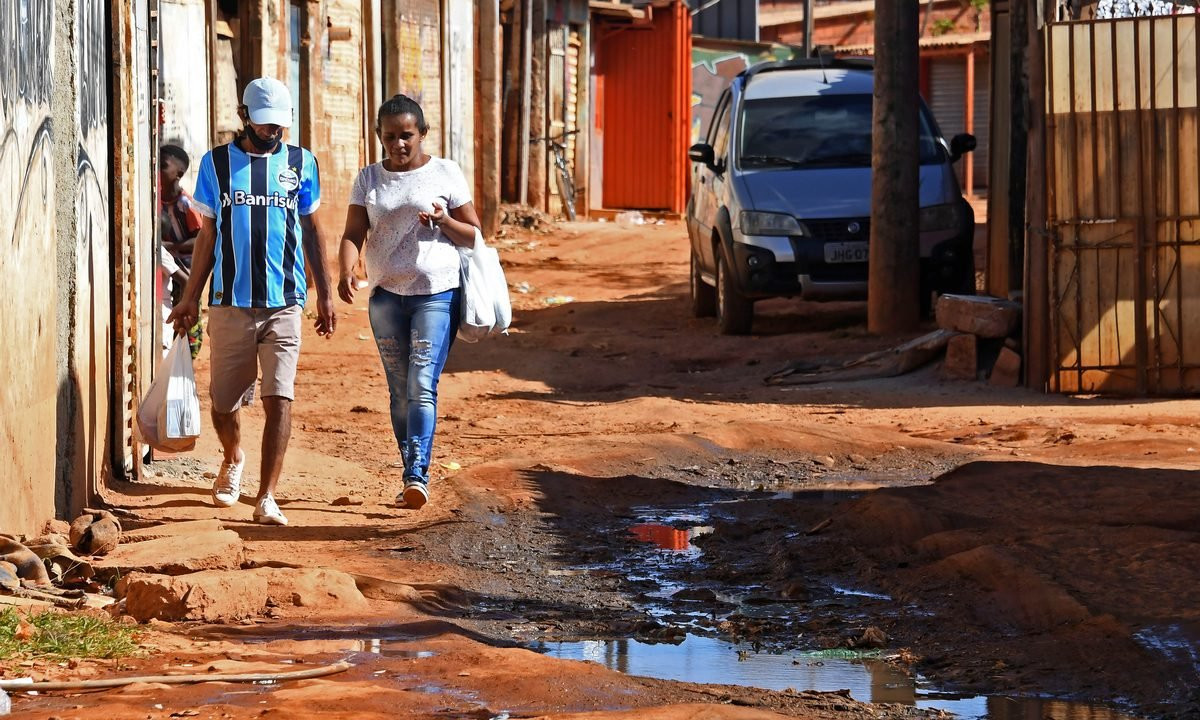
(267,512)
(227,488)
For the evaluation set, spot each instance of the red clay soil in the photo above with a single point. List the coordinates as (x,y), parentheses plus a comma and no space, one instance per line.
(1061,557)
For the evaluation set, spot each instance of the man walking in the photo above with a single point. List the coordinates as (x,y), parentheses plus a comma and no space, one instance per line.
(257,196)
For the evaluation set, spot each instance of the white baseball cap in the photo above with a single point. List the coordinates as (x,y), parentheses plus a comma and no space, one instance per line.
(268,102)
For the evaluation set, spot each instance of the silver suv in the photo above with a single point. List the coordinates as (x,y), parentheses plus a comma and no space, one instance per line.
(781,194)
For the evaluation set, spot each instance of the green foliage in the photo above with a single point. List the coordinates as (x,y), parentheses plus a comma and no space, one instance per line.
(942,26)
(64,635)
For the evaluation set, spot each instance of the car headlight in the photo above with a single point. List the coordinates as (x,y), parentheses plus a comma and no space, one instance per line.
(937,218)
(768,223)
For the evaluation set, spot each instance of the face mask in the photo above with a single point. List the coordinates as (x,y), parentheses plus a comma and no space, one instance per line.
(258,143)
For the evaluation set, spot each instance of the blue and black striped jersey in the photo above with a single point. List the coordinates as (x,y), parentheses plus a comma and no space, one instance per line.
(257,201)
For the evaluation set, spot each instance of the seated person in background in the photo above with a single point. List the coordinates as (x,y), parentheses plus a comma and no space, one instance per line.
(179,223)
(176,210)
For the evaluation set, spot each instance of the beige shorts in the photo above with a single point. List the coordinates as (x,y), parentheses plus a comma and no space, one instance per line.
(244,339)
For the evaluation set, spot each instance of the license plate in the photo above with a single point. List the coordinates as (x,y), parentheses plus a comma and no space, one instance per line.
(847,252)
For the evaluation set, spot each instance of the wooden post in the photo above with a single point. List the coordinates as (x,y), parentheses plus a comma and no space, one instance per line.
(894,277)
(1033,229)
(583,122)
(526,96)
(969,125)
(210,29)
(539,92)
(490,83)
(808,28)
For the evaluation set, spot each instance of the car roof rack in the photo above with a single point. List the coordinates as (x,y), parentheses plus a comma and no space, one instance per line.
(811,63)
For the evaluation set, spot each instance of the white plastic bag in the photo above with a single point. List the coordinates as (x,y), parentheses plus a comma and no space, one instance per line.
(169,416)
(486,307)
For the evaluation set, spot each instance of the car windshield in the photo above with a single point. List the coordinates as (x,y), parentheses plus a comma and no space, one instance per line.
(816,131)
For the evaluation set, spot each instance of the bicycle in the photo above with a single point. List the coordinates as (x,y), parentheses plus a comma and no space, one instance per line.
(566,182)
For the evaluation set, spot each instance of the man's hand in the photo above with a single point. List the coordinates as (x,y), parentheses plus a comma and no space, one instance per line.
(326,321)
(347,286)
(184,316)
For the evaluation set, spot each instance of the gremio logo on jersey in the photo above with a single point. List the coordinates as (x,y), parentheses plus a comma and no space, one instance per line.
(241,197)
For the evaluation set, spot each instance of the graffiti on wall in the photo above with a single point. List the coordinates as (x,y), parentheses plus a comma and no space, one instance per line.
(28,264)
(1140,8)
(713,71)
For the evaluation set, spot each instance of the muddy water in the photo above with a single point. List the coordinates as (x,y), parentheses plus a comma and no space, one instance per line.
(708,660)
(667,553)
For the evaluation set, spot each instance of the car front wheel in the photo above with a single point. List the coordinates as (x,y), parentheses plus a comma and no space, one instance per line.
(735,312)
(704,296)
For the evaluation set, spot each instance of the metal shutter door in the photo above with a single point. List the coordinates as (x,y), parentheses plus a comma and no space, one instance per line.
(983,113)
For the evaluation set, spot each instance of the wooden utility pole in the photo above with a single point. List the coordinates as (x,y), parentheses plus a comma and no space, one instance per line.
(537,114)
(1033,229)
(808,28)
(513,104)
(892,291)
(526,92)
(490,84)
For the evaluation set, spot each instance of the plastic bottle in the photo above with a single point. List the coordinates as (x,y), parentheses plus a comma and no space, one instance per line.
(5,703)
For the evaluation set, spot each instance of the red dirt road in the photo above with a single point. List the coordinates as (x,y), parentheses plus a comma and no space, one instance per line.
(1035,571)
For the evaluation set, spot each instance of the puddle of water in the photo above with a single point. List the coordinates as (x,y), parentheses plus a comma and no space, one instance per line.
(708,660)
(667,537)
(858,593)
(1172,642)
(376,646)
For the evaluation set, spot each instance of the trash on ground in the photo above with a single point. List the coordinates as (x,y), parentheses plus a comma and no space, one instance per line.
(631,218)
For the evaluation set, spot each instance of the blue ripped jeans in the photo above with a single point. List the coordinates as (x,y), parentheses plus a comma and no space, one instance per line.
(414,334)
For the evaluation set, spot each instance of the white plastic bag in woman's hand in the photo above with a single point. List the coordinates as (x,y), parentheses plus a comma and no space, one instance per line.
(169,416)
(485,304)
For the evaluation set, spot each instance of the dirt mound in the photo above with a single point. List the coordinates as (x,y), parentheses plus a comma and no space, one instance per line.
(1039,565)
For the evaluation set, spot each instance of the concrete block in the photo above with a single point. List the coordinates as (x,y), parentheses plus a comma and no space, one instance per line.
(986,317)
(962,358)
(1007,370)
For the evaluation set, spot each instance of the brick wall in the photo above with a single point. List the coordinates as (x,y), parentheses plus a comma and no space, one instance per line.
(859,29)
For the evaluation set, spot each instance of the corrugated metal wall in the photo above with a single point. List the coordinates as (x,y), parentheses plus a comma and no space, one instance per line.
(645,77)
(185,91)
(725,19)
(92,330)
(948,87)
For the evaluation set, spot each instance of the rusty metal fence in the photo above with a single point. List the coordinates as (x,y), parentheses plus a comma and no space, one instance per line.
(1123,204)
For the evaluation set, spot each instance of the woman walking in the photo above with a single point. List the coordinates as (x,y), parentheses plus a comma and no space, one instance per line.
(408,214)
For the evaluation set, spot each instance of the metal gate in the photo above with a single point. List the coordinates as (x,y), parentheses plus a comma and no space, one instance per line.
(1123,205)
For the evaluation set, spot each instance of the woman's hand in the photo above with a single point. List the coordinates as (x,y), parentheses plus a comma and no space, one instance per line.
(346,287)
(432,219)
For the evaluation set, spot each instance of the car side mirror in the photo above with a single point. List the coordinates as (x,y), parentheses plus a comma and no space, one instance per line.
(961,145)
(702,153)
